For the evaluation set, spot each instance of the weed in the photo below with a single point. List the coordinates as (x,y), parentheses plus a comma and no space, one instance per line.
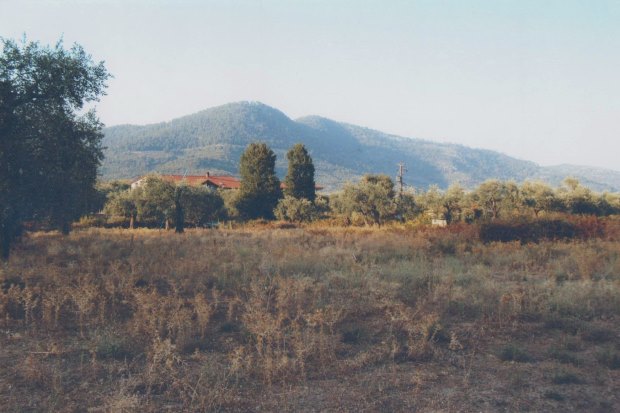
(598,335)
(565,357)
(513,352)
(569,325)
(112,344)
(567,377)
(554,395)
(609,357)
(240,319)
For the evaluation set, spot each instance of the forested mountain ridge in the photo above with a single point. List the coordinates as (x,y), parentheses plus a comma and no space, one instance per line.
(214,139)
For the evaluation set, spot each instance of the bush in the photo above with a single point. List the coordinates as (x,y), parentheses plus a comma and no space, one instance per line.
(512,352)
(532,231)
(598,335)
(566,377)
(110,344)
(295,210)
(609,358)
(565,357)
(92,220)
(554,395)
(569,325)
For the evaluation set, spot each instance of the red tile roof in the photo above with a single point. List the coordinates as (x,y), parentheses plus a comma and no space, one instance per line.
(223,181)
(219,181)
(193,180)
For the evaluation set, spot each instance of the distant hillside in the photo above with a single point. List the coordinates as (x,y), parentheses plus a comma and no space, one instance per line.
(214,139)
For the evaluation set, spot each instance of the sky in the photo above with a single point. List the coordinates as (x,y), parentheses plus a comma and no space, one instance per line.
(538,80)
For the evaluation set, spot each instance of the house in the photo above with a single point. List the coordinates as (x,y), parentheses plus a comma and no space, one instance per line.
(222,182)
(208,180)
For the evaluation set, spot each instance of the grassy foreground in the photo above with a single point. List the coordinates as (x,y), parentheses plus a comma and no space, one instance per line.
(309,320)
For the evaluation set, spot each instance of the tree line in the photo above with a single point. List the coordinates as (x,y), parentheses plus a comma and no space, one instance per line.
(374,201)
(371,201)
(159,203)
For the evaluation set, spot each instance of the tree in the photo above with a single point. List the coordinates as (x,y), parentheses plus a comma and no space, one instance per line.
(161,203)
(372,198)
(431,202)
(123,204)
(539,197)
(104,192)
(407,206)
(179,207)
(299,181)
(452,203)
(49,151)
(609,203)
(202,206)
(260,187)
(492,195)
(155,201)
(578,199)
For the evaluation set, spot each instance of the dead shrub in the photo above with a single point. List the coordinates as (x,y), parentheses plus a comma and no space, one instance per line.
(287,329)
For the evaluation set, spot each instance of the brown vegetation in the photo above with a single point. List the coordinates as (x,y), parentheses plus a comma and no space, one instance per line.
(310,319)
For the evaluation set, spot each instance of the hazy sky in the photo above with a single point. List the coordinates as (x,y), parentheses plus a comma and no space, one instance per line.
(539,80)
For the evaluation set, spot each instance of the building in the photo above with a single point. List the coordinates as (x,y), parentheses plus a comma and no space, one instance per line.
(208,180)
(211,181)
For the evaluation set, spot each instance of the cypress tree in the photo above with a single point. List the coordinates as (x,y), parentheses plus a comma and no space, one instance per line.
(260,187)
(299,180)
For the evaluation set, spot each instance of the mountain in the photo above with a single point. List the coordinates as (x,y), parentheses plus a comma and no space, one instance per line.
(214,139)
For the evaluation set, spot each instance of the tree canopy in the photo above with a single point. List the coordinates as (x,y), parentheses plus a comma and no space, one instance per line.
(373,198)
(299,181)
(296,210)
(49,149)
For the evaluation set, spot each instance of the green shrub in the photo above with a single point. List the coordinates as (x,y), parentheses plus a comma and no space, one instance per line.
(295,210)
(566,377)
(569,325)
(554,395)
(565,357)
(111,345)
(92,220)
(610,358)
(512,352)
(598,335)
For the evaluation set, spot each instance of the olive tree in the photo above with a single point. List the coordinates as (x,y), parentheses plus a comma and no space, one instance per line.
(373,198)
(50,149)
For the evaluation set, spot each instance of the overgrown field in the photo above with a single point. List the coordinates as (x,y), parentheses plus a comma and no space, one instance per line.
(314,319)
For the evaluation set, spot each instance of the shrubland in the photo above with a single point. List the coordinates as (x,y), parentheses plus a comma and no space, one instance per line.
(316,317)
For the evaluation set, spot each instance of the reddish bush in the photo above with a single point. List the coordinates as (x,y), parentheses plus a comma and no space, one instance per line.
(541,229)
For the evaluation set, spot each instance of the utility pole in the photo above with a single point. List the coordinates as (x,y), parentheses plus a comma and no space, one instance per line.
(401,172)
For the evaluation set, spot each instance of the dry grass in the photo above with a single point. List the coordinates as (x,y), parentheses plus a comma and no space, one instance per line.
(315,319)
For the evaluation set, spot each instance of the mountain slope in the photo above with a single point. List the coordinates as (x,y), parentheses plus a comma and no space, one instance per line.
(214,139)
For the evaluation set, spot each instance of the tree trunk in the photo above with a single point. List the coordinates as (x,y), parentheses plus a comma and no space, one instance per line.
(131,222)
(10,230)
(179,219)
(65,228)
(5,242)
